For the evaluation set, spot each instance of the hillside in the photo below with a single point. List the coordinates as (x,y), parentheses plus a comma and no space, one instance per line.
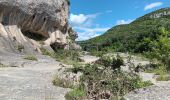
(40,60)
(142,35)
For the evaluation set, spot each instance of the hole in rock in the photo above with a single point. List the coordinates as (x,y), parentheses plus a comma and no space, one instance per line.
(5,20)
(34,35)
(57,46)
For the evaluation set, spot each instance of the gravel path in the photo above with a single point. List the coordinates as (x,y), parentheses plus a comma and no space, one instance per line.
(31,81)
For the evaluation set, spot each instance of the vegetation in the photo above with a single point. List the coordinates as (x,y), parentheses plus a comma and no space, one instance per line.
(2,65)
(62,83)
(163,78)
(105,80)
(68,1)
(75,94)
(158,69)
(46,52)
(147,36)
(20,48)
(66,56)
(31,57)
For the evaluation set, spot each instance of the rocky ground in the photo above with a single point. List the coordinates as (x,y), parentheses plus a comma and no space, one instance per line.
(159,91)
(29,80)
(22,79)
(89,58)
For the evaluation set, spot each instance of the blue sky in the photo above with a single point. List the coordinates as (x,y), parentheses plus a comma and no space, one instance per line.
(91,18)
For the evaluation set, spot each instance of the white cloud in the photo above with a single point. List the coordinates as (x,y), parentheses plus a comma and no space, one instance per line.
(120,22)
(82,19)
(88,33)
(153,5)
(86,36)
(78,19)
(91,29)
(85,26)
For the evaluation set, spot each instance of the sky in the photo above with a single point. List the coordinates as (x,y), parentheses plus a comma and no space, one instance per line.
(91,18)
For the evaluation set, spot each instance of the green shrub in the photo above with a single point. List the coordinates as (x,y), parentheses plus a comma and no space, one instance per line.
(47,53)
(76,68)
(31,57)
(67,56)
(114,81)
(75,94)
(103,81)
(61,82)
(105,61)
(20,48)
(70,57)
(138,83)
(2,65)
(158,69)
(117,62)
(163,78)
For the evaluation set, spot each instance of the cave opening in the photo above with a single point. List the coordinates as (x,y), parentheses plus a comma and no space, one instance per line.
(34,35)
(57,46)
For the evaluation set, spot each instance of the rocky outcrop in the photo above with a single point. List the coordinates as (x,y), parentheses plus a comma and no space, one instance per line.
(26,25)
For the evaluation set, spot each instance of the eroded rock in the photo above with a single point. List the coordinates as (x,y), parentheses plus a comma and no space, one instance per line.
(32,23)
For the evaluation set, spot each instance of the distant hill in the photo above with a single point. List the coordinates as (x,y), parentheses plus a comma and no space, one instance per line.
(142,35)
(130,37)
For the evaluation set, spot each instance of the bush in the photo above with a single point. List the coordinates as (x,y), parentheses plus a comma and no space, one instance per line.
(163,78)
(158,69)
(105,80)
(76,68)
(47,53)
(31,57)
(2,65)
(75,94)
(117,63)
(20,48)
(66,56)
(105,61)
(61,82)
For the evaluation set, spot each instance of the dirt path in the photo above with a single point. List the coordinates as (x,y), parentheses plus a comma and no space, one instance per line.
(32,81)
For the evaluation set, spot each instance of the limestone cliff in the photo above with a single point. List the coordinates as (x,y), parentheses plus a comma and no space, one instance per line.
(27,25)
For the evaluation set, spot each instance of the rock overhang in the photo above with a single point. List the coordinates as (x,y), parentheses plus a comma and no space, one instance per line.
(48,18)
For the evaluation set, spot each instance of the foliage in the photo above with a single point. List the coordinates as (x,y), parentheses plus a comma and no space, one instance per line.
(76,68)
(66,56)
(106,80)
(158,69)
(31,57)
(62,83)
(149,36)
(117,62)
(2,65)
(75,94)
(20,48)
(46,52)
(68,1)
(163,78)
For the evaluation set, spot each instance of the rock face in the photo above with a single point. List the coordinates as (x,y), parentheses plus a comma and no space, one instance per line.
(26,25)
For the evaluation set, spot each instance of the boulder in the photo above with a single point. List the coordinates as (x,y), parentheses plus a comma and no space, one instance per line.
(29,24)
